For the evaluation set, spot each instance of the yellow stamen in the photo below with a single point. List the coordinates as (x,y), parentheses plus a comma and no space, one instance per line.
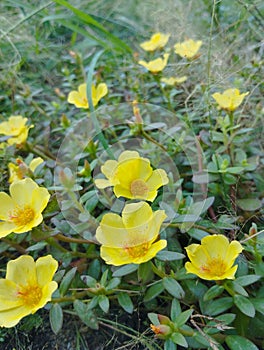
(139,188)
(30,294)
(138,250)
(22,216)
(214,267)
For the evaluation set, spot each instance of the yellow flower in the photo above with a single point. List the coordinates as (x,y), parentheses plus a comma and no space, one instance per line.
(19,171)
(188,48)
(28,286)
(157,41)
(16,128)
(173,81)
(79,98)
(213,259)
(131,238)
(156,65)
(22,210)
(230,99)
(132,177)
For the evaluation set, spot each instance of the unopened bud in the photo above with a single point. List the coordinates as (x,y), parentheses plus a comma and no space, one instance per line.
(161,331)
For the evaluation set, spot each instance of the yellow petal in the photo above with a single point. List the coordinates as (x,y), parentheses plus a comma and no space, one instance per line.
(82,90)
(46,267)
(21,191)
(157,179)
(137,215)
(6,206)
(233,250)
(10,317)
(120,191)
(47,291)
(109,168)
(40,199)
(8,295)
(119,256)
(102,183)
(6,228)
(35,163)
(101,91)
(22,270)
(128,155)
(215,245)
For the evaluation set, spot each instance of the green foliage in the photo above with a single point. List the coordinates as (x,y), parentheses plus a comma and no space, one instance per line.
(213,158)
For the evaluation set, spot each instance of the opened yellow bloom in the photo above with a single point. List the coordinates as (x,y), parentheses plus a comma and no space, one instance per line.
(213,259)
(173,81)
(156,65)
(19,171)
(28,286)
(132,237)
(16,129)
(79,98)
(230,99)
(157,41)
(132,177)
(22,210)
(188,48)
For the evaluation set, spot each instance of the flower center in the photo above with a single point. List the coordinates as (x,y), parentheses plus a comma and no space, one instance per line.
(138,250)
(22,216)
(30,295)
(215,267)
(139,188)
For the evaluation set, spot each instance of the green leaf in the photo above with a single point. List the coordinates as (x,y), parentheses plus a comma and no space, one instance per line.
(125,302)
(197,233)
(104,278)
(213,292)
(86,315)
(145,272)
(166,255)
(125,270)
(173,287)
(169,345)
(244,305)
(249,204)
(37,246)
(236,342)
(258,304)
(183,317)
(179,339)
(89,281)
(175,309)
(103,302)
(113,283)
(247,280)
(56,318)
(153,291)
(216,307)
(153,318)
(66,281)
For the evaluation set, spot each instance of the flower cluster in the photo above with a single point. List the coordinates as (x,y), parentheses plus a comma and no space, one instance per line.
(132,237)
(16,130)
(28,285)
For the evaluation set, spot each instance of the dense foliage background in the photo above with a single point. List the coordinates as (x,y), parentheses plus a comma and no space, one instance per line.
(214,162)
